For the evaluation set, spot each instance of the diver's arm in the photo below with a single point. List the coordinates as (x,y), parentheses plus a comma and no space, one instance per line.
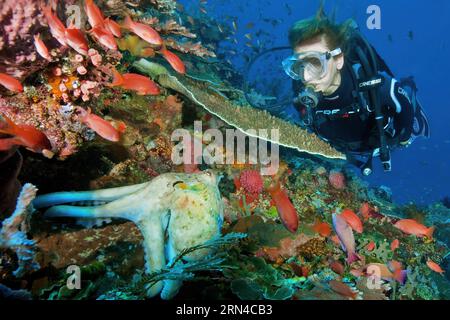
(395,101)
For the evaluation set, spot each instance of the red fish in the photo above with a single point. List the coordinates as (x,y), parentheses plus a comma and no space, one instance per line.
(136,82)
(395,244)
(173,60)
(305,271)
(41,48)
(337,267)
(57,28)
(285,208)
(322,228)
(346,237)
(370,246)
(10,83)
(342,289)
(411,226)
(104,37)
(102,127)
(357,272)
(94,14)
(76,40)
(119,126)
(434,266)
(335,240)
(352,220)
(23,135)
(365,210)
(394,265)
(113,27)
(392,272)
(143,31)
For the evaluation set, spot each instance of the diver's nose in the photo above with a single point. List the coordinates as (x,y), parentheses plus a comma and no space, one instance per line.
(307,77)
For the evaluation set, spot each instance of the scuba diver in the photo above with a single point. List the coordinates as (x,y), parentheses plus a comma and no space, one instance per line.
(346,94)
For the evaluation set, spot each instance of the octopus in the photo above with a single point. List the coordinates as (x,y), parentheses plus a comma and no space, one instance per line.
(174,211)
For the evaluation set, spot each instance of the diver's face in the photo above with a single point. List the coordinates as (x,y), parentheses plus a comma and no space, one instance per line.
(329,83)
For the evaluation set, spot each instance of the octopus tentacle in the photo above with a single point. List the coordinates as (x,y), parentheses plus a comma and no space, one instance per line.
(153,234)
(171,287)
(120,208)
(110,194)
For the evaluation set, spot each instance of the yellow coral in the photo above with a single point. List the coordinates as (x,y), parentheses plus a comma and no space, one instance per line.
(136,46)
(55,81)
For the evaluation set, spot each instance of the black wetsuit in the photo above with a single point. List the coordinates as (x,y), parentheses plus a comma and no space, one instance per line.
(349,126)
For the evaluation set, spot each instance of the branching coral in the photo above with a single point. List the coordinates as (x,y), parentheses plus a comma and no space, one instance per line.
(172,27)
(167,6)
(190,47)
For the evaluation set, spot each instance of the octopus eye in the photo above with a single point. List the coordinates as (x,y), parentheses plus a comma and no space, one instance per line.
(209,173)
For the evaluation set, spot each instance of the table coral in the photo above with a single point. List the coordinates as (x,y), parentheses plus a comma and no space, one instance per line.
(246,118)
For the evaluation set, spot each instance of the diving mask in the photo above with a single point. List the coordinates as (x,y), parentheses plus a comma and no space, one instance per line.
(308,66)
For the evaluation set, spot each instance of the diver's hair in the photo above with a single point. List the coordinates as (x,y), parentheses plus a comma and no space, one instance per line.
(335,35)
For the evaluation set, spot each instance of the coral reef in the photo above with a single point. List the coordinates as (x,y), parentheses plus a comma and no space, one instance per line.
(19,20)
(177,215)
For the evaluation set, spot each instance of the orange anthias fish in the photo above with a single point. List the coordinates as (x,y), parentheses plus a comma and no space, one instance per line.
(365,210)
(41,48)
(23,135)
(285,208)
(10,83)
(337,267)
(104,37)
(102,127)
(434,266)
(335,240)
(57,28)
(113,27)
(411,226)
(322,228)
(136,82)
(393,272)
(76,40)
(94,14)
(143,31)
(352,219)
(342,289)
(119,125)
(370,246)
(395,244)
(173,60)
